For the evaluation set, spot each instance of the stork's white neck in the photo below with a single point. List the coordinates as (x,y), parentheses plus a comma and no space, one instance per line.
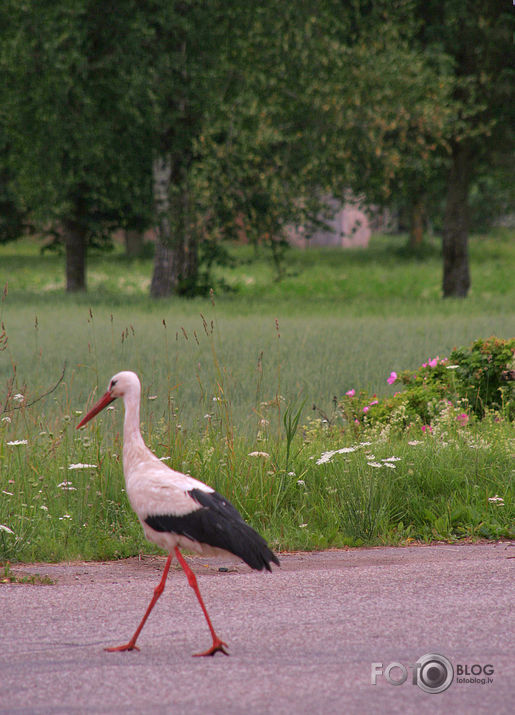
(133,444)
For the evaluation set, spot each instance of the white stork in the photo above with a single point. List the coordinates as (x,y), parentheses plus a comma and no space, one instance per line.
(176,510)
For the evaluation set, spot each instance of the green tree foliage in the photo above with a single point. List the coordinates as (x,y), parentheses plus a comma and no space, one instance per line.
(477,39)
(71,110)
(222,119)
(13,220)
(327,104)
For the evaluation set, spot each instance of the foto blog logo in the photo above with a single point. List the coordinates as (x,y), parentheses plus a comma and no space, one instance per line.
(432,672)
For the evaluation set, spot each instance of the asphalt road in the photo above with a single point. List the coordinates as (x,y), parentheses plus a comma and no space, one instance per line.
(302,640)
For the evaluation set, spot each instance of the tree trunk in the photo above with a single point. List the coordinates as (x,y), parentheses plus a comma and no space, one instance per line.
(163,274)
(417,216)
(75,243)
(456,276)
(188,267)
(176,255)
(133,243)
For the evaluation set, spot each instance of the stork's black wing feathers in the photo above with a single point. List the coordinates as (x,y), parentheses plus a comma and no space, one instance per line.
(219,524)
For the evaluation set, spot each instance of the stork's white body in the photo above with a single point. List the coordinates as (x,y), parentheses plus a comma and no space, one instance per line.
(174,509)
(152,487)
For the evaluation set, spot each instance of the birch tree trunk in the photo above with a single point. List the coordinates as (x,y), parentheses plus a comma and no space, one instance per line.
(163,277)
(176,255)
(456,275)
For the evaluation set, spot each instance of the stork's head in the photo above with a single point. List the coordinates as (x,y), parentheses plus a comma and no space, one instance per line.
(122,384)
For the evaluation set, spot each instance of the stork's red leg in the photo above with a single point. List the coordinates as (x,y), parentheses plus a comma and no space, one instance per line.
(131,645)
(218,644)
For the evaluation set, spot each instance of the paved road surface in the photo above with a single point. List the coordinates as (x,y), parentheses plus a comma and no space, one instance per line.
(302,640)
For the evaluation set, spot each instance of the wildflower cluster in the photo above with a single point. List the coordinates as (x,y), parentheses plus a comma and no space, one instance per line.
(469,384)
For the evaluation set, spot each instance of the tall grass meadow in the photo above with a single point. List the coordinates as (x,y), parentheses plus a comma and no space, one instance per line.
(242,390)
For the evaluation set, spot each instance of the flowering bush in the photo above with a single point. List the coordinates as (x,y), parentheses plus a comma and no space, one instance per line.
(472,382)
(486,375)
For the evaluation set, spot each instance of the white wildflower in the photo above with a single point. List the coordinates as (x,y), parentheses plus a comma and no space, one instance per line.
(79,465)
(391,459)
(496,500)
(301,482)
(64,516)
(17,442)
(390,465)
(43,507)
(164,459)
(9,494)
(302,526)
(414,442)
(6,419)
(375,464)
(152,397)
(325,457)
(451,367)
(6,529)
(265,455)
(111,407)
(18,397)
(365,444)
(67,487)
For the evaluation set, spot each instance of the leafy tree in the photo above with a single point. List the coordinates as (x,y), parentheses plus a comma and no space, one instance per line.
(328,103)
(13,219)
(72,118)
(477,37)
(209,119)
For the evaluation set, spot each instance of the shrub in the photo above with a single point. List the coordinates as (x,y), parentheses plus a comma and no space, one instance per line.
(474,381)
(486,373)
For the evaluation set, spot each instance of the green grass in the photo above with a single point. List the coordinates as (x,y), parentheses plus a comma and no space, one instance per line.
(345,319)
(382,279)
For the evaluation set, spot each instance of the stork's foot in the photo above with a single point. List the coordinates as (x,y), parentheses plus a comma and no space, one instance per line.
(218,645)
(118,648)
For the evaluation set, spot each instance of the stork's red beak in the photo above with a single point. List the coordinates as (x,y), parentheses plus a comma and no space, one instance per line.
(98,407)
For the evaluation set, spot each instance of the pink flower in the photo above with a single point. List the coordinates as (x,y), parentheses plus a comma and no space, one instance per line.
(462,419)
(392,378)
(351,393)
(356,422)
(424,364)
(427,428)
(374,402)
(433,362)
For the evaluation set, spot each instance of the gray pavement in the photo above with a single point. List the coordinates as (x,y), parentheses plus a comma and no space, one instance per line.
(302,639)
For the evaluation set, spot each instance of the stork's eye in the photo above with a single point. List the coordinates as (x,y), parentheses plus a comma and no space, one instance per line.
(113,383)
